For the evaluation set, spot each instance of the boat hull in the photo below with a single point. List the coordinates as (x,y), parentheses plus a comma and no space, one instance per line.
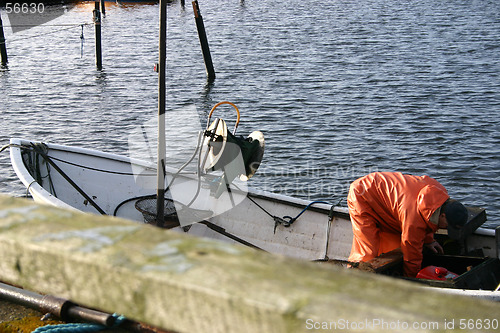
(112,184)
(110,180)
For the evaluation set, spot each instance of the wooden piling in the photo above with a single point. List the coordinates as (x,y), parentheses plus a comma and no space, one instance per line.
(3,48)
(203,42)
(103,8)
(98,49)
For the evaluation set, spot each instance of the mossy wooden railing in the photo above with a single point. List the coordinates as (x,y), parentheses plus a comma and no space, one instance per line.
(187,284)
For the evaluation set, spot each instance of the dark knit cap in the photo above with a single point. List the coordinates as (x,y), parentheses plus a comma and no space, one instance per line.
(456,213)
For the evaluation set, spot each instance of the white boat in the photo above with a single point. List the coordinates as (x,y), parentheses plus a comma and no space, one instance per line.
(97,182)
(102,183)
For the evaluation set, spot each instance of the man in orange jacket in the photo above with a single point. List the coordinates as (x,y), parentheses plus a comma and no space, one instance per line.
(391,210)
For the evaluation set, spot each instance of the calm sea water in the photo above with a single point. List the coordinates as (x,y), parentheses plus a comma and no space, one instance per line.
(339,88)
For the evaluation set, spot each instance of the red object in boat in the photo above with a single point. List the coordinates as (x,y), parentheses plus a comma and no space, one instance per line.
(436,273)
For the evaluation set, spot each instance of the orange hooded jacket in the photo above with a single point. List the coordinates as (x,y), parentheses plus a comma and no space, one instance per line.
(391,210)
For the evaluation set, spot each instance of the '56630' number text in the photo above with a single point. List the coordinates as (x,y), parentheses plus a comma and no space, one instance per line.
(24,8)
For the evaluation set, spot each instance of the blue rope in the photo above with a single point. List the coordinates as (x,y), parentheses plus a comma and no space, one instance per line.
(77,327)
(70,328)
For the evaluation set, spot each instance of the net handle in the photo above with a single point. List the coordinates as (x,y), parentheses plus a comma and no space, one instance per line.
(234,106)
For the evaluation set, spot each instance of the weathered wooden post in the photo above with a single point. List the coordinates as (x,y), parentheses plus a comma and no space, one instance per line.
(162,150)
(3,48)
(103,7)
(98,49)
(203,42)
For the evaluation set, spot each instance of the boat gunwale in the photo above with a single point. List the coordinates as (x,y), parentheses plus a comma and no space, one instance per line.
(35,188)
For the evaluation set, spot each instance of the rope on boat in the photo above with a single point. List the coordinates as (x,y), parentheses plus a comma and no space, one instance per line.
(8,146)
(79,327)
(287,221)
(177,173)
(39,149)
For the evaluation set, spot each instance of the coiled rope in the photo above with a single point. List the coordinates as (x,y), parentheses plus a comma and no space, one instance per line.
(79,327)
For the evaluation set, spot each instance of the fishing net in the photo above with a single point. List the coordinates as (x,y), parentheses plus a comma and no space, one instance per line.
(147,206)
(171,216)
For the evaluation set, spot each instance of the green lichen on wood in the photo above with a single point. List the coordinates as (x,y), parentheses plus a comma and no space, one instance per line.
(25,324)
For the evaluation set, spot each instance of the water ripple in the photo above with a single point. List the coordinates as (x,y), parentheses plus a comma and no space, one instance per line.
(339,89)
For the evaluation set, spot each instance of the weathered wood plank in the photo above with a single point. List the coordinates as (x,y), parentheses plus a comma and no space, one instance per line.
(187,284)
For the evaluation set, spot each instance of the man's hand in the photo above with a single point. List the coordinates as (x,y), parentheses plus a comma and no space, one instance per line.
(435,247)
